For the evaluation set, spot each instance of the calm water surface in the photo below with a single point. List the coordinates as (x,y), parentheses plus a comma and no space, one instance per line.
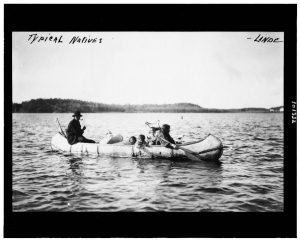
(248,177)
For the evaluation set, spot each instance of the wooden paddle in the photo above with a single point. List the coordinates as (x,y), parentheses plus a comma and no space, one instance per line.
(190,154)
(61,130)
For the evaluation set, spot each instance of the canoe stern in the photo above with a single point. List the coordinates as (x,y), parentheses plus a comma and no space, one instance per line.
(210,149)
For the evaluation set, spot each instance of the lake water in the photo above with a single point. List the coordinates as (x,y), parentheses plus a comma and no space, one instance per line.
(248,177)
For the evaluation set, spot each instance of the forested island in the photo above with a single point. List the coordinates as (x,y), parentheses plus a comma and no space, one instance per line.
(70,105)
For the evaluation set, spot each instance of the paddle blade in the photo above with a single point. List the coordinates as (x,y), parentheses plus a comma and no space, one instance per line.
(191,155)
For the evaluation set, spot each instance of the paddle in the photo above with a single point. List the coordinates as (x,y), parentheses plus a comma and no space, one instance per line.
(61,130)
(188,153)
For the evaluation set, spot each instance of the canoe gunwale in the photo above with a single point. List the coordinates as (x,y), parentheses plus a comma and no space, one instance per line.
(183,144)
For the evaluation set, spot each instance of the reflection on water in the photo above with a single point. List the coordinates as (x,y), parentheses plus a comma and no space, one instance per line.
(248,177)
(76,166)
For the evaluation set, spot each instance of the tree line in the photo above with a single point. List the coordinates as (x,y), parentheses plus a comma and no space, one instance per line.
(57,105)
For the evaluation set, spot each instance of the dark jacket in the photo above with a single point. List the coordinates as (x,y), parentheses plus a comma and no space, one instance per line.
(165,136)
(74,131)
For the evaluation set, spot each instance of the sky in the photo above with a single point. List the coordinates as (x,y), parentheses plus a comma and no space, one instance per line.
(210,69)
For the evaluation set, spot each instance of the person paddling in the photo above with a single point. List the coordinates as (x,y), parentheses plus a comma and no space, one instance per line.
(74,131)
(163,136)
(151,138)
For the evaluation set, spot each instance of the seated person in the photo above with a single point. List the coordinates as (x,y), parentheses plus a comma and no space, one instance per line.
(74,131)
(132,140)
(152,137)
(163,138)
(141,142)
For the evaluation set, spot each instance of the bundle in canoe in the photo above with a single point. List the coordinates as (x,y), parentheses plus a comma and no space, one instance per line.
(208,149)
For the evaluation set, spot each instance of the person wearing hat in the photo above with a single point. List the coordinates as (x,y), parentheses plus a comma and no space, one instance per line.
(163,137)
(74,131)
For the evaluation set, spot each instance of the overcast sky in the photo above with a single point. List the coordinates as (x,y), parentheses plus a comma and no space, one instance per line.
(211,69)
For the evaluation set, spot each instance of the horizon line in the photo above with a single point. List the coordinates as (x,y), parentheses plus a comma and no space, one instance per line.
(274,106)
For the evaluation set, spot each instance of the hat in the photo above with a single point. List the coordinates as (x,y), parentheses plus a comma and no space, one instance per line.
(77,113)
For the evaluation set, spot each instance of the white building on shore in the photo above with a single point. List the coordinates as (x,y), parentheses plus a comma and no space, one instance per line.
(277,109)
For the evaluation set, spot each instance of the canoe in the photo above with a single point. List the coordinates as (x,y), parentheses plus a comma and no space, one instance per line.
(207,149)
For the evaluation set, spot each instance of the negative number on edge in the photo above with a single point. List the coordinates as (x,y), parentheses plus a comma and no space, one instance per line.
(294,112)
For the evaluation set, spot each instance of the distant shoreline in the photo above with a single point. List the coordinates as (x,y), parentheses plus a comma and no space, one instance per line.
(70,105)
(248,112)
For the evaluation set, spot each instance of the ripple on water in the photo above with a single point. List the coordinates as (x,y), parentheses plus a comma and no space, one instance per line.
(249,176)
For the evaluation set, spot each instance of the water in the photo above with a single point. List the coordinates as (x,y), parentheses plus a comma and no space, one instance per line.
(248,177)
